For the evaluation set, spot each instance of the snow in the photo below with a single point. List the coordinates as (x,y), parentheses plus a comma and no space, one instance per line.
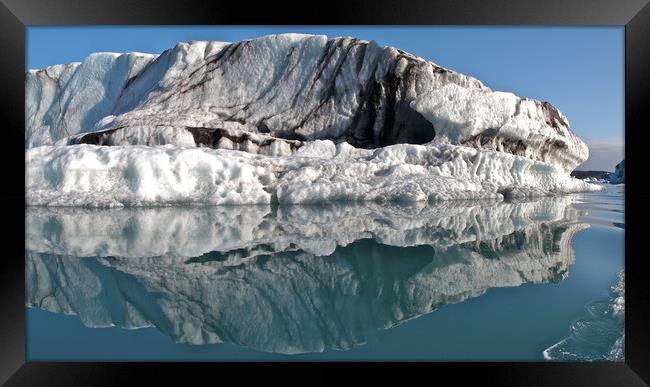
(595,180)
(457,113)
(288,118)
(140,175)
(108,176)
(62,99)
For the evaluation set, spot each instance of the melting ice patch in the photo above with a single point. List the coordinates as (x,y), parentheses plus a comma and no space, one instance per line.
(599,337)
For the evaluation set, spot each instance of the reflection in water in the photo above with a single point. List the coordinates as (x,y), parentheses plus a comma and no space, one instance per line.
(288,279)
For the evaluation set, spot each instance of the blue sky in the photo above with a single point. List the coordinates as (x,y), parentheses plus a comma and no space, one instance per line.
(580,70)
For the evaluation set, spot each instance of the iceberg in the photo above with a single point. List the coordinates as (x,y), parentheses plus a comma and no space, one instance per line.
(288,279)
(618,177)
(287,118)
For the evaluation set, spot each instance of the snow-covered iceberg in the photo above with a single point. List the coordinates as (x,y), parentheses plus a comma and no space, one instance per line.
(618,177)
(284,119)
(291,279)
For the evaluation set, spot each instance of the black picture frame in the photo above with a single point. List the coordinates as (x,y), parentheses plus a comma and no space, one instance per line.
(15,15)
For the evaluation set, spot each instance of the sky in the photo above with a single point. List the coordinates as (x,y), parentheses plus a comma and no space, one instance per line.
(580,70)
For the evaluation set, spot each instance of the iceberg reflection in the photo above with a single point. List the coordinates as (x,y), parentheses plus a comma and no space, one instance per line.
(292,279)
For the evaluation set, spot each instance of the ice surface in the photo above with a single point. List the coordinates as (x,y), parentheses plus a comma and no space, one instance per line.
(108,176)
(64,98)
(501,121)
(618,177)
(288,118)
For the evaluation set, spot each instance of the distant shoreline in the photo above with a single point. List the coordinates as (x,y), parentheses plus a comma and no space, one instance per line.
(590,174)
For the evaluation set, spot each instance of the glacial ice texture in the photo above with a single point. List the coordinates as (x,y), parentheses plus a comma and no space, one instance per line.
(99,176)
(284,119)
(288,279)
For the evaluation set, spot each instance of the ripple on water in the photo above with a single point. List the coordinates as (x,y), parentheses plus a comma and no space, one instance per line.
(599,337)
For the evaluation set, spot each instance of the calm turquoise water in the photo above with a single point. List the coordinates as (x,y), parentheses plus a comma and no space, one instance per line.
(466,281)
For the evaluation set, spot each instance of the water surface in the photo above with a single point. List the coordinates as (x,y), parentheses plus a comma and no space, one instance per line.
(468,280)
